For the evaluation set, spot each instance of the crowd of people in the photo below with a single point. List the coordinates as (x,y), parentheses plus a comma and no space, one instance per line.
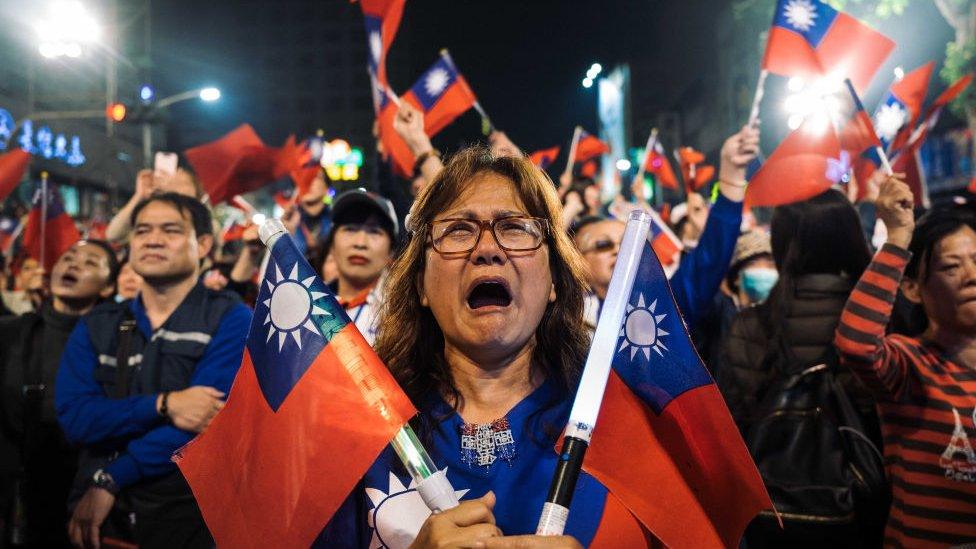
(850,371)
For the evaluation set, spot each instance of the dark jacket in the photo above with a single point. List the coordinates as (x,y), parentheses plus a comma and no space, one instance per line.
(811,317)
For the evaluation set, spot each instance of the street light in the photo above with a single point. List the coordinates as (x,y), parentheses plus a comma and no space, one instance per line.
(209,94)
(66,29)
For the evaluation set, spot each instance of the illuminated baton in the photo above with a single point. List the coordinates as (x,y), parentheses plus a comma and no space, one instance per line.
(43,217)
(487,126)
(589,396)
(432,484)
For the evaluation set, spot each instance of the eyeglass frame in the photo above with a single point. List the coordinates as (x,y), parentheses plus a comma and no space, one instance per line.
(490,225)
(614,245)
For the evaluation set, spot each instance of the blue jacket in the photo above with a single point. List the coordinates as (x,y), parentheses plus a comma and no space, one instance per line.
(131,426)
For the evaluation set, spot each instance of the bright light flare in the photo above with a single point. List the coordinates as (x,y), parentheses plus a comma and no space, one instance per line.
(817,102)
(66,27)
(623,164)
(209,94)
(587,82)
(899,73)
(259,218)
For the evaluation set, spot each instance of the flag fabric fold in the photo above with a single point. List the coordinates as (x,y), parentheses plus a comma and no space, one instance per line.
(901,106)
(239,162)
(657,164)
(544,158)
(808,162)
(810,39)
(442,94)
(695,172)
(663,421)
(310,410)
(589,146)
(59,232)
(12,167)
(382,20)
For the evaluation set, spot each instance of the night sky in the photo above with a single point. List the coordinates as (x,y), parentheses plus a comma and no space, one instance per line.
(524,59)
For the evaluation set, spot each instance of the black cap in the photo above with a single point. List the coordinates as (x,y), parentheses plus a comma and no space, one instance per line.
(355,199)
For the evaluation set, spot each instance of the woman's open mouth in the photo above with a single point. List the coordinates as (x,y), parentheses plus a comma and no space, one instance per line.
(489,293)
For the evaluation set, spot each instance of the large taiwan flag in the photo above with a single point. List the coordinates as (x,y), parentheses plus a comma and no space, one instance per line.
(902,105)
(311,408)
(810,39)
(50,231)
(442,94)
(664,422)
(382,18)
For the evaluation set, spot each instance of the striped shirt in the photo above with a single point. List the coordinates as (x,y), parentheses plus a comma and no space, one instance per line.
(928,413)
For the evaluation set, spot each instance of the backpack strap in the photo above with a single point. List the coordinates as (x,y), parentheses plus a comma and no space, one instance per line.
(123,349)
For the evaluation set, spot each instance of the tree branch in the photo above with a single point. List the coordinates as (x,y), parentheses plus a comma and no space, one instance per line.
(955,19)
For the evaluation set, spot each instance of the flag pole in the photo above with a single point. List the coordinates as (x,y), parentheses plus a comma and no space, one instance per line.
(757,99)
(433,485)
(572,151)
(589,396)
(486,121)
(651,142)
(43,217)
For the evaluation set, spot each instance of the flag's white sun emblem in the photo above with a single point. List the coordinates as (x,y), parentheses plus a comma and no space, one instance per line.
(642,329)
(291,307)
(800,14)
(436,81)
(396,517)
(375,45)
(889,120)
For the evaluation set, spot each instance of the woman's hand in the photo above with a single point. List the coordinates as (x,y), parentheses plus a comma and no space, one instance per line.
(409,123)
(737,152)
(895,205)
(466,526)
(527,542)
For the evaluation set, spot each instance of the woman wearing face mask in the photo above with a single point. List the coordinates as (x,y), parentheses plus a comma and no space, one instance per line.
(820,251)
(36,463)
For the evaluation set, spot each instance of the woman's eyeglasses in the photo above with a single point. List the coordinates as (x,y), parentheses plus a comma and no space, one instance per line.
(602,245)
(513,233)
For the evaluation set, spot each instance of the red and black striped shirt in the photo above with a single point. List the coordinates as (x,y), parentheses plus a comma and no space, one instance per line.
(928,413)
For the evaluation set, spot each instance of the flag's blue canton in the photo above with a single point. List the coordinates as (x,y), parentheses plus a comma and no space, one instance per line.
(432,85)
(811,19)
(656,229)
(54,205)
(891,101)
(655,356)
(374,28)
(312,315)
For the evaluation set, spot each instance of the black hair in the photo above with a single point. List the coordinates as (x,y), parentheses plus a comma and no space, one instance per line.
(930,229)
(199,214)
(578,225)
(356,215)
(822,235)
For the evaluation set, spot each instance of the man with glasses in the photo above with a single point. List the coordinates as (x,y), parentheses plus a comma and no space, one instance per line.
(598,239)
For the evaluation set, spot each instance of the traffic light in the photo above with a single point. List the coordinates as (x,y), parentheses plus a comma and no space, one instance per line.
(116,112)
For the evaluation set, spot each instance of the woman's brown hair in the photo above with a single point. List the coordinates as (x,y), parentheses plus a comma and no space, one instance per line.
(410,341)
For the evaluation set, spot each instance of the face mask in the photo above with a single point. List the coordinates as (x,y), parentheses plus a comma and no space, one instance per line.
(757,282)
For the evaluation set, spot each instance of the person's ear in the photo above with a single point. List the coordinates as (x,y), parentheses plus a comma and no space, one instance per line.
(206,243)
(552,293)
(912,290)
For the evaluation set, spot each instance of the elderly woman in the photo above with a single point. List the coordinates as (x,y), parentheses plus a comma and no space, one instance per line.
(483,330)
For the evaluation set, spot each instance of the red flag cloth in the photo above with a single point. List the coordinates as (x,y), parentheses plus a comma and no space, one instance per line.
(589,146)
(60,232)
(306,172)
(382,19)
(545,157)
(240,162)
(10,228)
(907,162)
(310,410)
(394,147)
(665,243)
(664,422)
(902,106)
(691,161)
(12,167)
(855,130)
(810,39)
(588,169)
(972,186)
(657,163)
(442,94)
(804,165)
(234,232)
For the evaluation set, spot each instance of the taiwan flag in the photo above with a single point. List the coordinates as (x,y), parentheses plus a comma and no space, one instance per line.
(901,107)
(382,18)
(545,157)
(55,232)
(664,422)
(12,167)
(693,169)
(442,94)
(239,162)
(808,162)
(310,410)
(810,39)
(657,163)
(665,243)
(10,228)
(589,146)
(855,130)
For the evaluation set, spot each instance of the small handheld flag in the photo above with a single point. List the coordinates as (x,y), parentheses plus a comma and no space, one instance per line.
(50,231)
(544,158)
